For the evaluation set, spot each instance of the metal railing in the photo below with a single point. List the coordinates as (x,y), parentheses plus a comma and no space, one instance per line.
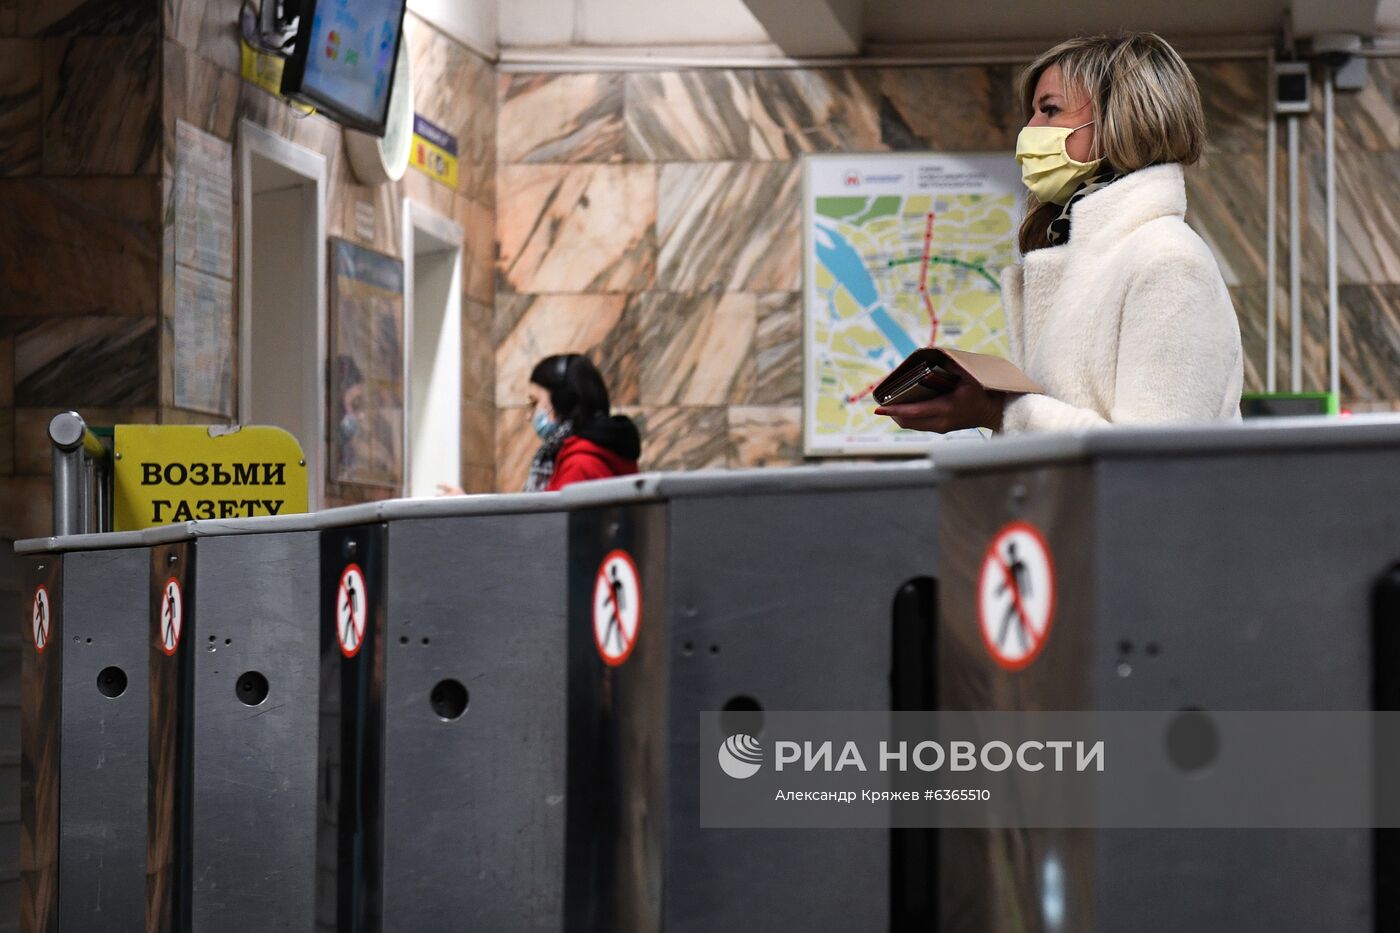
(82,477)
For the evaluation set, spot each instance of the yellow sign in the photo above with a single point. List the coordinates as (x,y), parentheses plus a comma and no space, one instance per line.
(434,151)
(165,474)
(265,71)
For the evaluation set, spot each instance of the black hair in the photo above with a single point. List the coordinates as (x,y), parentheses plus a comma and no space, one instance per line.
(576,388)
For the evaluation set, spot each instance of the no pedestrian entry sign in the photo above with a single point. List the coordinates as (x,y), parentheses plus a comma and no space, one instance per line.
(1016,595)
(351,610)
(172,615)
(617,607)
(41,617)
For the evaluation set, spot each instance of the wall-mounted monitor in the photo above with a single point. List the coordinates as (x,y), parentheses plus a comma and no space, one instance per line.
(343,60)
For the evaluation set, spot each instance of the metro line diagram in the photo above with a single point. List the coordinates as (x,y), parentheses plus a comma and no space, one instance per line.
(892,273)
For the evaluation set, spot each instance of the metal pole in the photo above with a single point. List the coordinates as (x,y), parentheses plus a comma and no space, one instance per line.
(1334,373)
(78,454)
(1295,261)
(1271,262)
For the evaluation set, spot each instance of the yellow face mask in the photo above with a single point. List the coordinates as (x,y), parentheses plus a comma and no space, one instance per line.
(1046,167)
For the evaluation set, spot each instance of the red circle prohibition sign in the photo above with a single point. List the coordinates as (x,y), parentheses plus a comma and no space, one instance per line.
(608,593)
(995,564)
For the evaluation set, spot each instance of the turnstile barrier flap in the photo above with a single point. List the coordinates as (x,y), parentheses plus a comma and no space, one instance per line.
(1135,441)
(653,487)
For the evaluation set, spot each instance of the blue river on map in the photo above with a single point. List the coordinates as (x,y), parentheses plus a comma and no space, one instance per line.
(846,265)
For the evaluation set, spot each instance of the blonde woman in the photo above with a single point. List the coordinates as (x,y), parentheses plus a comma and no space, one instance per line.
(1118,309)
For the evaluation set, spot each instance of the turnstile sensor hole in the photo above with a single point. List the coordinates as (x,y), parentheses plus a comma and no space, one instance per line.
(403,639)
(1152,649)
(688,648)
(425,641)
(714,649)
(741,714)
(89,641)
(251,688)
(228,641)
(1193,741)
(448,698)
(111,682)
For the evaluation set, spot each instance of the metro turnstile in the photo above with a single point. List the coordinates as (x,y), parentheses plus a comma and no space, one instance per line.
(187,785)
(1223,568)
(88,827)
(766,589)
(442,715)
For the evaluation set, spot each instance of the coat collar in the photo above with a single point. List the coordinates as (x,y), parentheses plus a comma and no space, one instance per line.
(1133,200)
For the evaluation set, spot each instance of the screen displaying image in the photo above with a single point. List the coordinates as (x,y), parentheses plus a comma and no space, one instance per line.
(350,54)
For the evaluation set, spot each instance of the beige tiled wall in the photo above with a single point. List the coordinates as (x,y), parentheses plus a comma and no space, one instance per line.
(659,213)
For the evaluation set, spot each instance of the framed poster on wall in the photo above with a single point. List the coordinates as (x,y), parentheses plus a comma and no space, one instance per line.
(901,251)
(366,359)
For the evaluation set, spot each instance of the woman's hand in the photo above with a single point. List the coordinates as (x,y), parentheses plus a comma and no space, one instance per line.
(967,406)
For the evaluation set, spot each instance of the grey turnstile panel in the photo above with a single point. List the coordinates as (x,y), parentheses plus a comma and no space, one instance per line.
(253,864)
(103,776)
(1252,575)
(474,806)
(785,600)
(1220,568)
(1253,583)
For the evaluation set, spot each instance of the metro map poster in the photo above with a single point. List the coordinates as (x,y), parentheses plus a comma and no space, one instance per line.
(901,251)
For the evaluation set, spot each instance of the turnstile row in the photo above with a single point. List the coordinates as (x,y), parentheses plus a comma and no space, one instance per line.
(481,713)
(364,719)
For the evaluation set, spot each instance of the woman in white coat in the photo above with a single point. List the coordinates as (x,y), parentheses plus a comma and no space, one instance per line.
(1118,309)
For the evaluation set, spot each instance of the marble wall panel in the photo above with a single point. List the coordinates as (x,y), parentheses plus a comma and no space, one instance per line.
(79,246)
(953,109)
(102,104)
(1251,307)
(1369,327)
(561,118)
(683,438)
(734,226)
(576,228)
(478,353)
(1235,97)
(688,116)
(778,350)
(516,444)
(85,17)
(1225,198)
(72,361)
(478,479)
(478,437)
(1368,217)
(764,436)
(601,326)
(198,93)
(7,367)
(21,106)
(815,110)
(26,507)
(7,441)
(696,349)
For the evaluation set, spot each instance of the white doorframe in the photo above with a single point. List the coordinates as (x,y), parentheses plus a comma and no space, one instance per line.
(255,141)
(417,218)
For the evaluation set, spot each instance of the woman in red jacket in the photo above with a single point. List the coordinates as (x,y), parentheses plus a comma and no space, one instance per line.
(581,439)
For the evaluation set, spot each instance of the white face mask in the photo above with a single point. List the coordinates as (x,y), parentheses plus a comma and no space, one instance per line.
(1046,168)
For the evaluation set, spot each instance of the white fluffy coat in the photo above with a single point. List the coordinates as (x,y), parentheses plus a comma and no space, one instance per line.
(1129,322)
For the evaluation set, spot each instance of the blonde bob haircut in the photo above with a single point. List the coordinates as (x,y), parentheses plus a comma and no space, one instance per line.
(1146,107)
